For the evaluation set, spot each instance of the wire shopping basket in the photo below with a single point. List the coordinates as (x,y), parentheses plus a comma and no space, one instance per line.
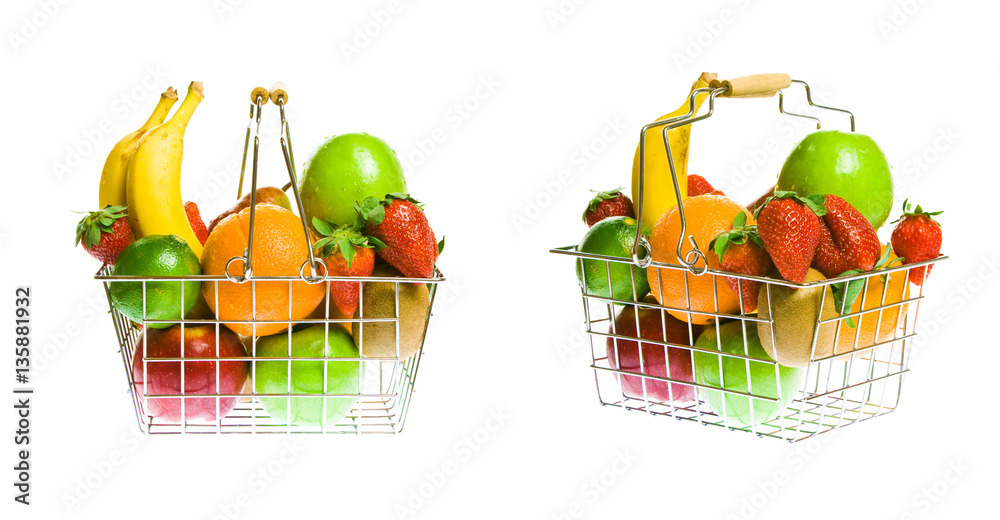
(314,375)
(842,374)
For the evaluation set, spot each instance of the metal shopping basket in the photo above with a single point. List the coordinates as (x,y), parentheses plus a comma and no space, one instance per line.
(854,379)
(378,397)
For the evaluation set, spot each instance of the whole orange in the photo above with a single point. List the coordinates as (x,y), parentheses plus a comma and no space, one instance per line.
(887,323)
(706,216)
(279,249)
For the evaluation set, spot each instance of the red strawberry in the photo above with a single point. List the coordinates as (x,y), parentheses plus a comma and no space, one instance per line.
(789,226)
(105,233)
(847,240)
(611,203)
(346,252)
(741,250)
(916,238)
(197,224)
(697,185)
(401,225)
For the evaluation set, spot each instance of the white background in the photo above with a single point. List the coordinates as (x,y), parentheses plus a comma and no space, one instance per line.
(542,91)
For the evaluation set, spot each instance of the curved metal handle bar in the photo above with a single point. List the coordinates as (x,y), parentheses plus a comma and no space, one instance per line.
(247,258)
(781,108)
(639,239)
(286,150)
(810,101)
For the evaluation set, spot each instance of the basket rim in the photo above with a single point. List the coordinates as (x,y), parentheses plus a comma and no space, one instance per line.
(572,251)
(102,274)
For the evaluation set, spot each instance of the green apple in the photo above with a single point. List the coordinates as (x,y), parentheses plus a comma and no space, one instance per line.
(272,377)
(345,169)
(849,165)
(762,380)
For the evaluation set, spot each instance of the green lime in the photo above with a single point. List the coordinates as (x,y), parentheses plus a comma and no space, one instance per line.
(153,256)
(763,380)
(612,236)
(345,169)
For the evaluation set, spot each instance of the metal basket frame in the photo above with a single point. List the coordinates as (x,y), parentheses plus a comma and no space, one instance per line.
(385,384)
(843,388)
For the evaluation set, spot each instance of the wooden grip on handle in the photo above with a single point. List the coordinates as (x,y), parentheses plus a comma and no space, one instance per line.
(279,91)
(758,85)
(259,91)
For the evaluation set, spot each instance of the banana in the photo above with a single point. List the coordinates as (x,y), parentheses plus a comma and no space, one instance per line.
(153,184)
(112,189)
(658,192)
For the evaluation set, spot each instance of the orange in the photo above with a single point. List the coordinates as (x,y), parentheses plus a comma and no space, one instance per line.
(706,216)
(889,322)
(279,249)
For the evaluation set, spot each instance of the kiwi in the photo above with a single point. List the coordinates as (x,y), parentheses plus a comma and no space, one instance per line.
(378,339)
(795,314)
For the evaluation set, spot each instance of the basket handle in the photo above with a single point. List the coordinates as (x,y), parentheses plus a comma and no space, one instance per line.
(757,85)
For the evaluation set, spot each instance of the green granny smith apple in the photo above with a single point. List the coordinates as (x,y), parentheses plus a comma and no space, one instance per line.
(734,375)
(271,377)
(348,168)
(849,165)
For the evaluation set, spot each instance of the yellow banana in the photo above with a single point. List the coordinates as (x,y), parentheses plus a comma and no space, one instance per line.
(658,192)
(112,190)
(154,177)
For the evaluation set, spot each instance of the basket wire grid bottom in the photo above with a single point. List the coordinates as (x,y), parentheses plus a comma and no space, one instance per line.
(380,407)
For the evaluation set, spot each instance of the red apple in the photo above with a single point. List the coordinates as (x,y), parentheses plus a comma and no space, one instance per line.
(164,377)
(651,325)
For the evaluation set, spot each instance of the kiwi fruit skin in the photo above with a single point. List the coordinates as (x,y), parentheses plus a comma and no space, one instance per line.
(378,301)
(795,315)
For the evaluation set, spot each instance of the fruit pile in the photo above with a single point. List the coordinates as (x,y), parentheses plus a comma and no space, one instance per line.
(362,223)
(820,221)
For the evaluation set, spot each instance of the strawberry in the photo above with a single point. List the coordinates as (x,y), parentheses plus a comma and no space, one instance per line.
(400,223)
(917,237)
(197,224)
(697,185)
(611,203)
(346,252)
(105,233)
(847,240)
(741,250)
(789,226)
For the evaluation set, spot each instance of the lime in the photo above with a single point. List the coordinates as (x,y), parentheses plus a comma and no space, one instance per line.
(612,236)
(345,169)
(153,256)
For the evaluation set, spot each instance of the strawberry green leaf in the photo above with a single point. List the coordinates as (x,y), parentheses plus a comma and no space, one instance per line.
(739,220)
(441,245)
(93,236)
(322,227)
(347,250)
(846,293)
(376,244)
